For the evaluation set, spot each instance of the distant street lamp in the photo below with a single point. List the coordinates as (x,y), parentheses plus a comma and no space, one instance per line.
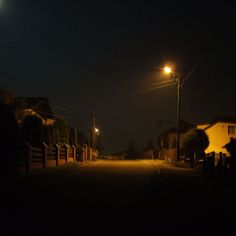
(179,80)
(94,133)
(97,131)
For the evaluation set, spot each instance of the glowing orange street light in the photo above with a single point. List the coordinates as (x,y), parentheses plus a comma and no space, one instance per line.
(167,70)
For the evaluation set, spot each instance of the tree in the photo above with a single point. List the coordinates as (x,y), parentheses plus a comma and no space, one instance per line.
(195,142)
(6,97)
(148,150)
(32,130)
(60,131)
(164,143)
(48,135)
(150,145)
(10,141)
(74,136)
(82,138)
(132,152)
(231,148)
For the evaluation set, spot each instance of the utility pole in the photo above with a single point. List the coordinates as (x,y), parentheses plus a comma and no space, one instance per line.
(179,80)
(93,132)
(157,133)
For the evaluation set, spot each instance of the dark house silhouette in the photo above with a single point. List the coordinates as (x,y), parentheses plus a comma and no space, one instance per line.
(39,106)
(167,140)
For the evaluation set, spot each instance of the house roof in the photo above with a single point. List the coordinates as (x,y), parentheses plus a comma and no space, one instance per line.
(40,105)
(223,119)
(183,128)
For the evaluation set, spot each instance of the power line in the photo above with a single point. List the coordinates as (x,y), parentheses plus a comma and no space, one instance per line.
(65,106)
(191,71)
(156,84)
(169,84)
(54,113)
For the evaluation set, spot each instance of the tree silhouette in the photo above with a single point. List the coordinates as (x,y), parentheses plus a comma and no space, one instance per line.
(32,130)
(48,135)
(74,136)
(148,148)
(231,148)
(9,145)
(60,131)
(132,152)
(6,97)
(195,141)
(82,138)
(150,145)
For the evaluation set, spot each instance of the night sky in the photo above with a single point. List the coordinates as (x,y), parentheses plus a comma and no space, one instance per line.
(98,56)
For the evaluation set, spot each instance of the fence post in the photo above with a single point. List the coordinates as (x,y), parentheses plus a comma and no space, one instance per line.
(83,154)
(74,153)
(45,154)
(67,152)
(28,155)
(212,164)
(57,154)
(220,165)
(86,153)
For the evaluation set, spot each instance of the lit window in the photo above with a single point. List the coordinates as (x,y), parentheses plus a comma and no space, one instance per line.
(231,130)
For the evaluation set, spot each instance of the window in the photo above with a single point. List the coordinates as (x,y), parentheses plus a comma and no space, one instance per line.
(231,130)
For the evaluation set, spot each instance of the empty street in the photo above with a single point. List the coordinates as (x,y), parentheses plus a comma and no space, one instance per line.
(105,193)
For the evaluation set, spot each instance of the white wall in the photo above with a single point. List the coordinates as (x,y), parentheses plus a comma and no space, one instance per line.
(218,137)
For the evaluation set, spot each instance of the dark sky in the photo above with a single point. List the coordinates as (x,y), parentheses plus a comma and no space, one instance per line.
(97,56)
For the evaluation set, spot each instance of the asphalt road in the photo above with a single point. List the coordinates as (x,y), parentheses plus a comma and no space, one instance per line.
(122,197)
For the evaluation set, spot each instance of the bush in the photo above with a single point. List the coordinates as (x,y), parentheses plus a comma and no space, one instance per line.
(9,145)
(32,130)
(195,141)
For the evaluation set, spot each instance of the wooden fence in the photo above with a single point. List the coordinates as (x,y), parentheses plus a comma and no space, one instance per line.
(49,156)
(218,164)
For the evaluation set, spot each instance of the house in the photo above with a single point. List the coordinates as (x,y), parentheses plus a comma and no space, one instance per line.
(167,141)
(219,131)
(39,106)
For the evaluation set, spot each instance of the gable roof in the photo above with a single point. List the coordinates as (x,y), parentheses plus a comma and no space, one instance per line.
(183,128)
(40,105)
(223,119)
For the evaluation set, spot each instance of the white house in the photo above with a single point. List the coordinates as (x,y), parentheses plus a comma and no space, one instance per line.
(219,133)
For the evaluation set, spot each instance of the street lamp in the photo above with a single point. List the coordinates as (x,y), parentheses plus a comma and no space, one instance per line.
(167,70)
(96,131)
(179,80)
(96,136)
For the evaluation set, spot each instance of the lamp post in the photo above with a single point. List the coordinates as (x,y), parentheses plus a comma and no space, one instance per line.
(96,134)
(179,80)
